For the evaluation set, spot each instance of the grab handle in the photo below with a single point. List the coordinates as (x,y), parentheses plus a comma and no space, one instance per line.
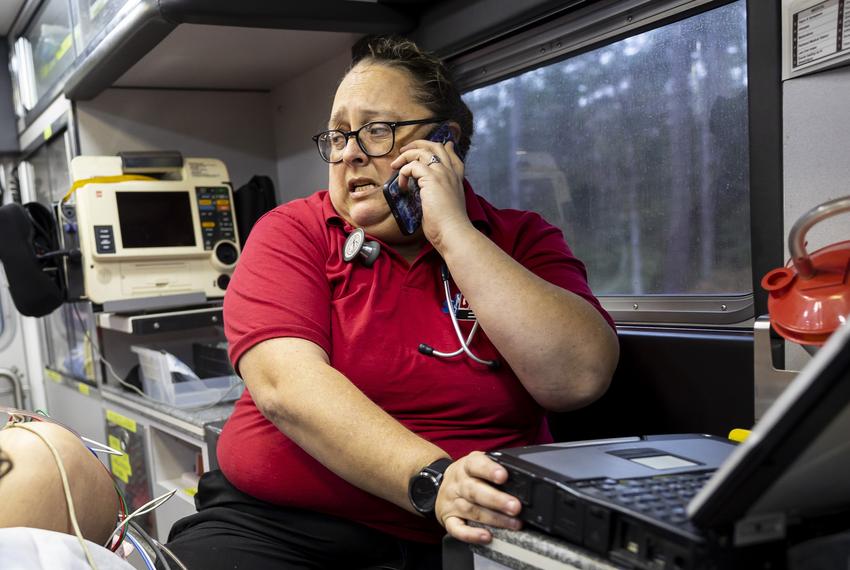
(797,237)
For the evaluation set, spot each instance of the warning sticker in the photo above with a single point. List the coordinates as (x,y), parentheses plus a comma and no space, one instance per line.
(200,169)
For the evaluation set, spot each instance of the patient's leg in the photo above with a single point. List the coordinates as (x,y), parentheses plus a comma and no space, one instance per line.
(31,493)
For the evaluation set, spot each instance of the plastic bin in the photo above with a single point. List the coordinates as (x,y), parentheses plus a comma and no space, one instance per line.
(159,383)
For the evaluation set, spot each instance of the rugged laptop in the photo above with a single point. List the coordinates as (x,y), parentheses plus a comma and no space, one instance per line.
(694,501)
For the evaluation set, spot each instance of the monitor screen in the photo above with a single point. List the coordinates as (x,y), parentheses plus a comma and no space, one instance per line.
(155,219)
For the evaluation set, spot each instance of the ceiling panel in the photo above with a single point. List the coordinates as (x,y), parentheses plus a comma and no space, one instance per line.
(8,10)
(221,57)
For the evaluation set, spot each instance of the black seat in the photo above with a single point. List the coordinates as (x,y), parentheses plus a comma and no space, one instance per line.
(29,252)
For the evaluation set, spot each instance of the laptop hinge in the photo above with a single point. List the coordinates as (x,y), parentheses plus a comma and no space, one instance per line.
(759,528)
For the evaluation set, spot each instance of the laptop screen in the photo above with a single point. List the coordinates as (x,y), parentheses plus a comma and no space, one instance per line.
(797,457)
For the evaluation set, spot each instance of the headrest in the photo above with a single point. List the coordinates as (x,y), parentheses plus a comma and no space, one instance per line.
(27,232)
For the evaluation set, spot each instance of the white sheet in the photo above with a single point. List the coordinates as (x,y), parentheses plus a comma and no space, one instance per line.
(37,549)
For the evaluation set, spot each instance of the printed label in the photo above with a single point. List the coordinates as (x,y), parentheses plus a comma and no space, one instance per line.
(120,464)
(119,420)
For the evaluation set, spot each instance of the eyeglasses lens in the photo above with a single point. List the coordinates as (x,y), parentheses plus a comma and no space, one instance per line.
(375,139)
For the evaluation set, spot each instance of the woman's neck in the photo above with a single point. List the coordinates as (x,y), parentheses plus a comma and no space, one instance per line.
(409,251)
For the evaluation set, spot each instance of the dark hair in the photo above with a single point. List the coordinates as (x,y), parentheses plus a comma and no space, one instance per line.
(435,88)
(5,465)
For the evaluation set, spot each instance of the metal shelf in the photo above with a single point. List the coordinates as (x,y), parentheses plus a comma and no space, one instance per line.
(167,321)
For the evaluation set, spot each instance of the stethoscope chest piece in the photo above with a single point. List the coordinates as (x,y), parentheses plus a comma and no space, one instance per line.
(357,244)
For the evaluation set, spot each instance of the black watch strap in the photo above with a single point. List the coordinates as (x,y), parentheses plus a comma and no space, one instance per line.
(439,466)
(425,485)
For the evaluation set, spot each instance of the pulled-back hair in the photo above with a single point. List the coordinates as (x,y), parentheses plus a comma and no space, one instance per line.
(5,464)
(434,87)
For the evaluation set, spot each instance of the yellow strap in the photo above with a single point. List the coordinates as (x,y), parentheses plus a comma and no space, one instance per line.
(739,435)
(103,180)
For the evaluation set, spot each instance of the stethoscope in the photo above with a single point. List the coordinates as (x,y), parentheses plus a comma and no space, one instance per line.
(356,244)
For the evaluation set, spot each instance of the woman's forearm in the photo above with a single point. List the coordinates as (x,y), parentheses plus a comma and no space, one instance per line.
(327,416)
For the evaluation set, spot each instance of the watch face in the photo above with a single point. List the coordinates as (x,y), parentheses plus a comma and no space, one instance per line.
(423,494)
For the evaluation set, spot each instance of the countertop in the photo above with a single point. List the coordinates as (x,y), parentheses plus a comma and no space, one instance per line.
(188,420)
(530,549)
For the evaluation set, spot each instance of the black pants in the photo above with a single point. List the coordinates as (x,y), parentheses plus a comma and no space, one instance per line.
(232,530)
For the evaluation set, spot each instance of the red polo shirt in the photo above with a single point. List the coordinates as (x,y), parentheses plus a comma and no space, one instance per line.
(291,281)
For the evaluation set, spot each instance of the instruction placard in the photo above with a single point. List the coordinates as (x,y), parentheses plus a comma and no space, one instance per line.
(817,34)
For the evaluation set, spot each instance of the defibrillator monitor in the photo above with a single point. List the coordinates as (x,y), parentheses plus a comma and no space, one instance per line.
(149,231)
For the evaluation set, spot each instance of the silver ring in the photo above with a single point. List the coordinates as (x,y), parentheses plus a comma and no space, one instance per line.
(434,160)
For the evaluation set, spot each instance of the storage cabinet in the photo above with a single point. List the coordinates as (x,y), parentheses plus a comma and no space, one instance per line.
(159,459)
(51,41)
(92,20)
(167,450)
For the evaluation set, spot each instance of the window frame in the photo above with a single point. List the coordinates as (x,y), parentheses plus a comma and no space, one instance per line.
(605,22)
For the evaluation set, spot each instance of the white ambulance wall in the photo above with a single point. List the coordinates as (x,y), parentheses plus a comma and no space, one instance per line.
(816,161)
(302,106)
(231,126)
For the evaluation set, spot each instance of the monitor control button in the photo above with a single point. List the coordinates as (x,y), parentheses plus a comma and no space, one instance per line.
(226,253)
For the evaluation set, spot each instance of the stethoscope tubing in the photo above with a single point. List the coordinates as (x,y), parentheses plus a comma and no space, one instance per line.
(464,343)
(356,245)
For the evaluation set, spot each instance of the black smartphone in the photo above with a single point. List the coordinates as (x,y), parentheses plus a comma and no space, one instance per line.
(405,204)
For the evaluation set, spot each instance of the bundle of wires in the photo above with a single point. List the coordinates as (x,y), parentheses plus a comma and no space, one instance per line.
(162,552)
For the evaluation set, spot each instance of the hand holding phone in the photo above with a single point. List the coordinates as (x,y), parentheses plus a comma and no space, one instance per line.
(405,204)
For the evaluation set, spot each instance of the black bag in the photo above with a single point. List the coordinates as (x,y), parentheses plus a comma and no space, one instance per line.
(251,201)
(27,238)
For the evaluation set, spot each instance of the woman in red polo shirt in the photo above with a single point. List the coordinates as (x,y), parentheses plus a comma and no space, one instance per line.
(351,448)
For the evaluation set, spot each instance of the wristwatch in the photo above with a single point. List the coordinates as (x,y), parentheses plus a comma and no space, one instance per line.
(423,487)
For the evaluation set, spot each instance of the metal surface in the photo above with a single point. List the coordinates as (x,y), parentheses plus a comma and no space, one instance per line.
(155,303)
(161,322)
(17,391)
(797,237)
(317,15)
(681,309)
(575,31)
(770,382)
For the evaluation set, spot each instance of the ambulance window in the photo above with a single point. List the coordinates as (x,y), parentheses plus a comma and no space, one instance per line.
(636,149)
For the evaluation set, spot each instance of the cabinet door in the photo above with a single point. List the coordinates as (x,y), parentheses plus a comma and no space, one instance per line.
(48,170)
(93,18)
(131,471)
(52,44)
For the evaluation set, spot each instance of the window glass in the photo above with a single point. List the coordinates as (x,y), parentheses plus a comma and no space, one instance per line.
(69,331)
(52,43)
(50,170)
(93,17)
(637,150)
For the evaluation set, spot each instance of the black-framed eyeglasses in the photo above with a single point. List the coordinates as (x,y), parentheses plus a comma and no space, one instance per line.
(375,139)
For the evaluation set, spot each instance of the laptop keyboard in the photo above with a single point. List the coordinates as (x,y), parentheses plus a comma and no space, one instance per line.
(662,497)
